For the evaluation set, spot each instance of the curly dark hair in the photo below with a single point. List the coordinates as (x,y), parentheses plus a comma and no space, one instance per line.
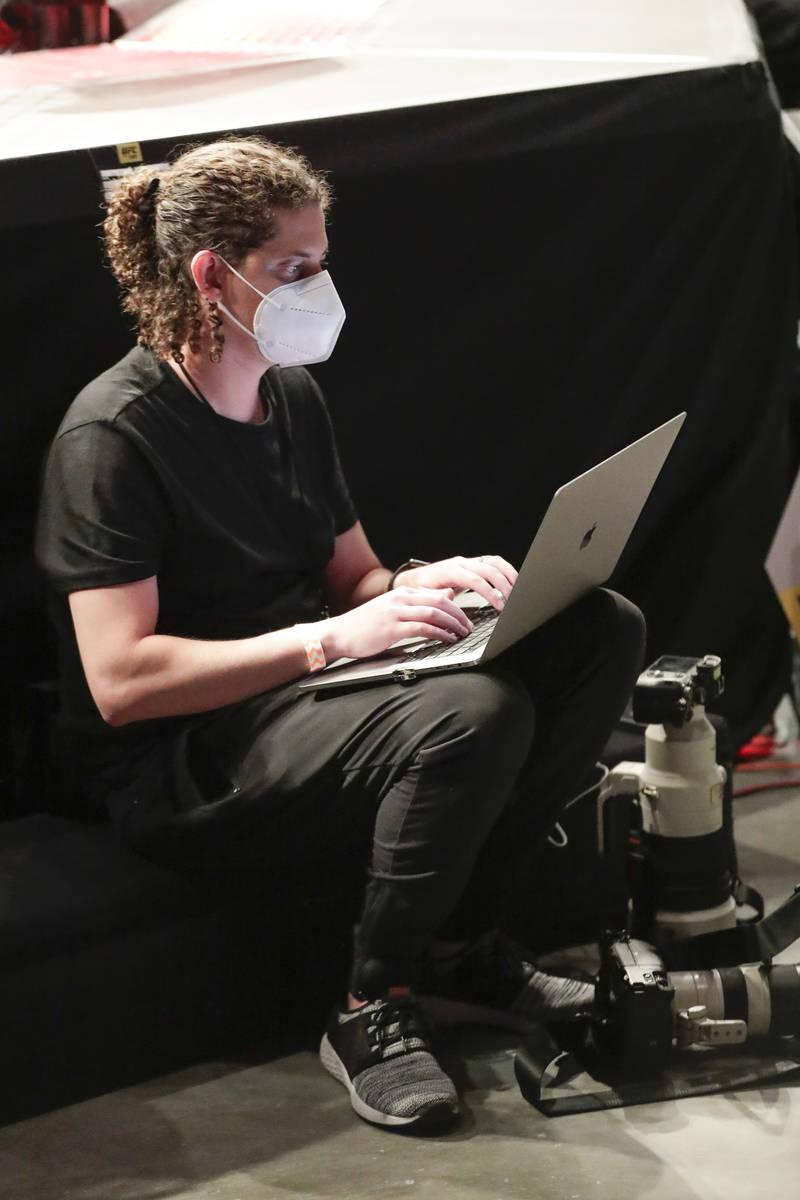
(223,196)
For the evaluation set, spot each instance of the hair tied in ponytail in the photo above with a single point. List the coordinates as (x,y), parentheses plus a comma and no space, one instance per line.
(147,205)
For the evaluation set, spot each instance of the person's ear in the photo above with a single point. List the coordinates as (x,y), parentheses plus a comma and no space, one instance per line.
(206,268)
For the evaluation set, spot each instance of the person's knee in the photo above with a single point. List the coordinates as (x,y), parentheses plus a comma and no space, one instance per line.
(623,627)
(492,718)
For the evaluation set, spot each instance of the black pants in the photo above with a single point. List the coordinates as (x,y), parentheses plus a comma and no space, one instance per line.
(446,783)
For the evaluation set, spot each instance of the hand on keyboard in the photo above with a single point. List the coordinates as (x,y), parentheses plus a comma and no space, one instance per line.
(405,612)
(489,575)
(483,620)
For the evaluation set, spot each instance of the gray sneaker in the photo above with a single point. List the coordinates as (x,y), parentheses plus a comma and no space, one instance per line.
(381,1053)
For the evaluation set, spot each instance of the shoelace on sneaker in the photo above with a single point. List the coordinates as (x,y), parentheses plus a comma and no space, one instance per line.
(397,1026)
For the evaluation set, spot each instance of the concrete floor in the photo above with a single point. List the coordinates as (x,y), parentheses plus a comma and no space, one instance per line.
(270,1126)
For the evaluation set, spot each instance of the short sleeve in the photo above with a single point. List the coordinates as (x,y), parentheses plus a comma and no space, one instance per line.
(103,517)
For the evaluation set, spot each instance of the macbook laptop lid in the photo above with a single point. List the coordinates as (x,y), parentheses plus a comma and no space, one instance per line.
(576,548)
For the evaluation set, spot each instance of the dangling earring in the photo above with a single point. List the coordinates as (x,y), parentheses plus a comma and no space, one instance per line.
(217,336)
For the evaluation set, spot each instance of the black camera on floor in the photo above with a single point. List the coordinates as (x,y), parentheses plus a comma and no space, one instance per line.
(634,1024)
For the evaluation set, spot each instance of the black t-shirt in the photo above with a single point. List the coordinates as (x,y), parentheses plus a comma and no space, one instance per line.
(236,521)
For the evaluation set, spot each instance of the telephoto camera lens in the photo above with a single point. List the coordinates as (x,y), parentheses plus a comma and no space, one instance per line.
(765,997)
(684,886)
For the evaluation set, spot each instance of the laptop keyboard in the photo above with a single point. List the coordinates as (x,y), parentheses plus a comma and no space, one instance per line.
(483,620)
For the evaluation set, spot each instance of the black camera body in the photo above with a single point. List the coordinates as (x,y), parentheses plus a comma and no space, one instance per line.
(667,692)
(634,1025)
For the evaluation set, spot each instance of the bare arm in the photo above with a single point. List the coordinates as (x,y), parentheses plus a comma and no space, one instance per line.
(136,674)
(354,574)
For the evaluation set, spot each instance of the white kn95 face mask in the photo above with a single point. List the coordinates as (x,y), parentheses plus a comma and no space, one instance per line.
(296,323)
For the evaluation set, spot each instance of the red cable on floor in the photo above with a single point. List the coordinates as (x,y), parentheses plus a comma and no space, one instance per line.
(780,764)
(767,787)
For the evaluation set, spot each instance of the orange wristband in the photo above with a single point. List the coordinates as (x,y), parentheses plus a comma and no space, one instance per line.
(315,655)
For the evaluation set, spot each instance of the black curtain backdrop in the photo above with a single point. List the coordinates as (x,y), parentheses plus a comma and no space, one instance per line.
(532,281)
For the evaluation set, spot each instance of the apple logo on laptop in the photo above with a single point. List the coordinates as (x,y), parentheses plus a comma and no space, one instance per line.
(587,537)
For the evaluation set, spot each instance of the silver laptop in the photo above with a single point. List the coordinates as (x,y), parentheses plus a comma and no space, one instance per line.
(576,548)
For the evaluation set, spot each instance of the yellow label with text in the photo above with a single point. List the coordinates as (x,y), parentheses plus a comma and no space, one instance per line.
(129,152)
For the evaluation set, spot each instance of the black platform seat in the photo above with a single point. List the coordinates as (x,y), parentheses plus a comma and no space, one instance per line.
(112,969)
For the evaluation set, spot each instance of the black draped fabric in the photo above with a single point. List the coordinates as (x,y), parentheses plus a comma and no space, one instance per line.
(532,281)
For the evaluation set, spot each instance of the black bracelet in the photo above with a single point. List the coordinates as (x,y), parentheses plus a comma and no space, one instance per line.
(406,566)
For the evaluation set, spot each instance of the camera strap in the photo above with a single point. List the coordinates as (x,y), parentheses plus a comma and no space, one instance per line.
(758,941)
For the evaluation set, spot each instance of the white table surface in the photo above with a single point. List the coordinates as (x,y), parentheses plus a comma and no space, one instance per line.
(413,52)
